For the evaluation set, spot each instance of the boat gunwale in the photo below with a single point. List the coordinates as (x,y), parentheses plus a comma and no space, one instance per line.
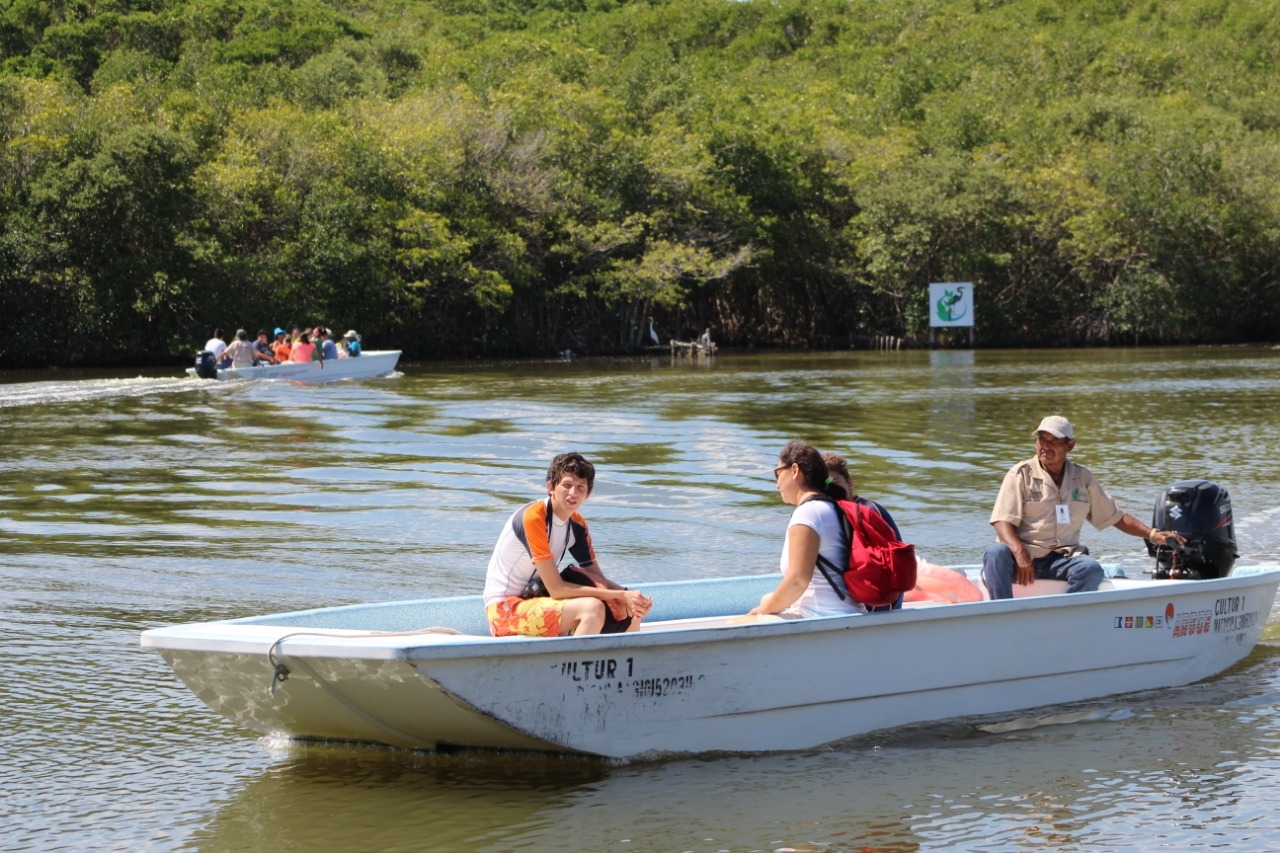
(251,635)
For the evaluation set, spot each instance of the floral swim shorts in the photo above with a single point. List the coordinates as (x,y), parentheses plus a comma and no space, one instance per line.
(525,617)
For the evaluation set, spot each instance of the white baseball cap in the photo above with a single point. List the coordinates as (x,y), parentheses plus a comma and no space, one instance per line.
(1056,425)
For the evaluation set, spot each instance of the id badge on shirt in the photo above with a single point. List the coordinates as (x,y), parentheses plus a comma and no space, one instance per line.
(1062,512)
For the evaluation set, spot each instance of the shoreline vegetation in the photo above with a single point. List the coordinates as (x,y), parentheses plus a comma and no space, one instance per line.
(519,178)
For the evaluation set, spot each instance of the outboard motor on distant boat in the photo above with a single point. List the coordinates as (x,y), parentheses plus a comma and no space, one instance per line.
(205,366)
(1201,512)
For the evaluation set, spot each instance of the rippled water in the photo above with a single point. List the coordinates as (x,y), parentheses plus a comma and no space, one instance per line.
(134,501)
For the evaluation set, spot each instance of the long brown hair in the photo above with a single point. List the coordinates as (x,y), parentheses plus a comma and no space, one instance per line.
(813,469)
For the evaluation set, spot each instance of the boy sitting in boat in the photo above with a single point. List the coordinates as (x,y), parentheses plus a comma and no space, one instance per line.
(532,543)
(262,346)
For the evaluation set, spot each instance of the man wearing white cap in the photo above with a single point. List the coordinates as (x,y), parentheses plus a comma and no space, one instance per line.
(1042,506)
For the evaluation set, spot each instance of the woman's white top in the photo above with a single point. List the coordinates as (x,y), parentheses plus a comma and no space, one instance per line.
(819,599)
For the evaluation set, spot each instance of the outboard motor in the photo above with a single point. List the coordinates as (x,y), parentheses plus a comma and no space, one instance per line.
(1201,512)
(205,366)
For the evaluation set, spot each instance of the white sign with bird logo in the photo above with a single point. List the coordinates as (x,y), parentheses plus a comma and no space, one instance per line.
(951,303)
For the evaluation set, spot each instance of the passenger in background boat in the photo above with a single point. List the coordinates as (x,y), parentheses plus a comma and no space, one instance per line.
(240,352)
(353,342)
(218,345)
(802,480)
(532,543)
(838,470)
(342,350)
(303,350)
(324,340)
(262,346)
(281,348)
(1039,512)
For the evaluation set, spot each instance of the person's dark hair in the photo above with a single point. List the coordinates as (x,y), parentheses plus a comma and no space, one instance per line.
(838,471)
(812,468)
(304,338)
(262,332)
(217,333)
(571,463)
(242,335)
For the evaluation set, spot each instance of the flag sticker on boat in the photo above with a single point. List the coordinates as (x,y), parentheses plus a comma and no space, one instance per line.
(1144,620)
(1190,623)
(1138,622)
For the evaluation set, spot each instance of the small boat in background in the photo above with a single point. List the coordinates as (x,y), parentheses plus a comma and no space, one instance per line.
(367,365)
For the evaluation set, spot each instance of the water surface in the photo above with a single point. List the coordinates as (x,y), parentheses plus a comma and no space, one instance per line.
(132,501)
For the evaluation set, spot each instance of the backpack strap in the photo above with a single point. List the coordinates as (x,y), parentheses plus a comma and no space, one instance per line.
(824,565)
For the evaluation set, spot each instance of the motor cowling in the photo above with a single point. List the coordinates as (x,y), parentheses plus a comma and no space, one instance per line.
(206,368)
(1200,511)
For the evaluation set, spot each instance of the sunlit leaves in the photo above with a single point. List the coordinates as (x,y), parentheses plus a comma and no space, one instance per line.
(514,175)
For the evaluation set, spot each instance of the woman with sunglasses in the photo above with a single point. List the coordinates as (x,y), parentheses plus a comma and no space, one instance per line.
(804,482)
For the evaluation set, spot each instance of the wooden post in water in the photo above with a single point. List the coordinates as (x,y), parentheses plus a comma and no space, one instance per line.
(692,348)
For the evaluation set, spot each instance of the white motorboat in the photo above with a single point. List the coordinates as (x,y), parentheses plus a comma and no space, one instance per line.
(700,676)
(367,365)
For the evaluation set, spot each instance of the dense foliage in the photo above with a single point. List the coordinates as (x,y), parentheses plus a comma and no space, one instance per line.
(458,177)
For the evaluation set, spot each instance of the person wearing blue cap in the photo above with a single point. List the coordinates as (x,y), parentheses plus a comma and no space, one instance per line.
(281,349)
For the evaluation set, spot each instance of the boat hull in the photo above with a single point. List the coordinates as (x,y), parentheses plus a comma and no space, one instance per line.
(716,683)
(365,366)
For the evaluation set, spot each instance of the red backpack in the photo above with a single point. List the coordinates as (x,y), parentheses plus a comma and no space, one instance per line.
(881,566)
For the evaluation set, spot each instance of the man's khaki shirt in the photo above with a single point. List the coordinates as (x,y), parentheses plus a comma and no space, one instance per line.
(1028,498)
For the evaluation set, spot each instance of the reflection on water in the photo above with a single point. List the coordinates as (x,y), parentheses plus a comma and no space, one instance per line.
(1111,777)
(403,800)
(130,501)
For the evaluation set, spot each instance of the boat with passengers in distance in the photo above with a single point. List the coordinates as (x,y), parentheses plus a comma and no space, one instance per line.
(367,365)
(700,676)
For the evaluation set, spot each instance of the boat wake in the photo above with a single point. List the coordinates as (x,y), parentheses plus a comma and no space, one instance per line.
(43,393)
(1064,719)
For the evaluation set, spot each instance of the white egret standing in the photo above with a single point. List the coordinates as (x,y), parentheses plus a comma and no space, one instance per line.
(653,333)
